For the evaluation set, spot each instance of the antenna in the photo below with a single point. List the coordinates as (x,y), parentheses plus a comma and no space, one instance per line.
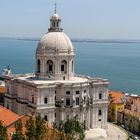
(55,7)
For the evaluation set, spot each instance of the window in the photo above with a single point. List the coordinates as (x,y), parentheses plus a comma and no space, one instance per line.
(38,66)
(7,105)
(77,101)
(57,24)
(77,92)
(67,101)
(100,112)
(46,118)
(45,100)
(72,67)
(50,66)
(99,120)
(32,98)
(63,66)
(84,91)
(100,95)
(67,92)
(7,90)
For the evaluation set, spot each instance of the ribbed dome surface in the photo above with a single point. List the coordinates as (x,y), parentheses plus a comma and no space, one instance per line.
(55,42)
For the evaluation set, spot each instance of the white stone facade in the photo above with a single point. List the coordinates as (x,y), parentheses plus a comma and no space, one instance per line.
(55,91)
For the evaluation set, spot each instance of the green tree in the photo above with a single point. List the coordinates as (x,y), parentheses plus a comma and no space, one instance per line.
(30,129)
(3,132)
(36,128)
(19,132)
(40,128)
(71,129)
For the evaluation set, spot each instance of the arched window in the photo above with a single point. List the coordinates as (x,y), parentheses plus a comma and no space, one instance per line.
(57,24)
(64,66)
(50,66)
(72,67)
(38,66)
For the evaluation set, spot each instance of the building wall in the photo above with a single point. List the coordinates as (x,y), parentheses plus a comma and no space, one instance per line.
(132,123)
(23,99)
(113,110)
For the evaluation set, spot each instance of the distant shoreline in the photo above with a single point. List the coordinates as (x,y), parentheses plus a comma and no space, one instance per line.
(78,40)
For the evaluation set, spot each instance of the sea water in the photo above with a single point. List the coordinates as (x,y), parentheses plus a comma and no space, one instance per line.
(117,62)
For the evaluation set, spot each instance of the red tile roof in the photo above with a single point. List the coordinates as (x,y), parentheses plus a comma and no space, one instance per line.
(115,96)
(7,116)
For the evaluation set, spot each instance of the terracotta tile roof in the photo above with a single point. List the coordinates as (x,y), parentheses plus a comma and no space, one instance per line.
(11,128)
(115,96)
(2,89)
(7,116)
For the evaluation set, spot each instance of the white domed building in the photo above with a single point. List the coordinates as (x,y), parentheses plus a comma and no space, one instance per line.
(55,91)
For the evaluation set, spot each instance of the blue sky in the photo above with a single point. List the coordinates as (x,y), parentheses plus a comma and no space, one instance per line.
(97,19)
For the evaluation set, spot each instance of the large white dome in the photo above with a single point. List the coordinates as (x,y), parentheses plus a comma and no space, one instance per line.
(55,42)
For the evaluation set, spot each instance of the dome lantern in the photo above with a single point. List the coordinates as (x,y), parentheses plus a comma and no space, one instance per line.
(55,22)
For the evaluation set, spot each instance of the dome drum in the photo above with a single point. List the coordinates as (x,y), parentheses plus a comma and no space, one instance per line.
(55,54)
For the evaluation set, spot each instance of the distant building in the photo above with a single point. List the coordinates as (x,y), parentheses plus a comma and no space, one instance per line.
(116,104)
(55,91)
(130,116)
(132,102)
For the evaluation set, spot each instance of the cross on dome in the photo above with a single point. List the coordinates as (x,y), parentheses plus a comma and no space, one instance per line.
(55,8)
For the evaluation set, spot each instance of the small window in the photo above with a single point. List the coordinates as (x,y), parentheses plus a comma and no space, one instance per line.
(7,90)
(100,95)
(72,67)
(64,78)
(67,101)
(67,92)
(77,101)
(99,120)
(38,66)
(62,68)
(45,100)
(50,66)
(32,98)
(77,92)
(55,115)
(7,105)
(57,24)
(46,118)
(100,112)
(84,91)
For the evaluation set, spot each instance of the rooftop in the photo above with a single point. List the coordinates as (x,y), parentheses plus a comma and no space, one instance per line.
(115,96)
(30,79)
(7,116)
